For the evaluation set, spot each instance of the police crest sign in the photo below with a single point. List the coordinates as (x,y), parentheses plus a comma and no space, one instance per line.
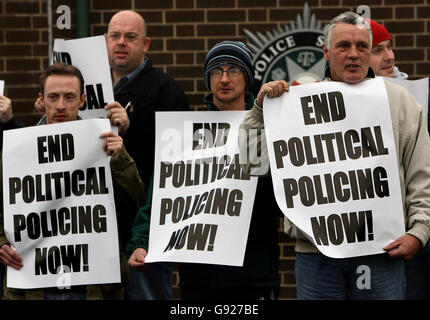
(293,52)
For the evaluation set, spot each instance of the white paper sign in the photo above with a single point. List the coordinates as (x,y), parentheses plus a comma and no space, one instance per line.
(419,89)
(202,200)
(59,212)
(2,87)
(334,165)
(89,55)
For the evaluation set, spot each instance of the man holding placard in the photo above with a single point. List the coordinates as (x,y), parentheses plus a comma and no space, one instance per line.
(139,91)
(228,72)
(62,95)
(382,61)
(358,272)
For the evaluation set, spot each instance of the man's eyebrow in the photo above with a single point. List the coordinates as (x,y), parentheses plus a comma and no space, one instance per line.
(363,43)
(58,93)
(342,42)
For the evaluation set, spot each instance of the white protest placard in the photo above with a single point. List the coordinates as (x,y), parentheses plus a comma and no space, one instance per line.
(419,89)
(334,165)
(1,87)
(89,55)
(59,212)
(202,200)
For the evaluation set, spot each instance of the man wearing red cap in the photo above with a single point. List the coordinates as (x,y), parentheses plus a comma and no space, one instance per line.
(382,55)
(382,63)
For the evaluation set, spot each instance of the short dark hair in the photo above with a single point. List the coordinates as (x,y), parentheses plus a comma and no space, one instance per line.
(61,69)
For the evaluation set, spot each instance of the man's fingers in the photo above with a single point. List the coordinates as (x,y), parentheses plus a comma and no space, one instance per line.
(15,264)
(404,247)
(136,261)
(119,117)
(10,257)
(272,89)
(106,134)
(113,105)
(391,246)
(112,144)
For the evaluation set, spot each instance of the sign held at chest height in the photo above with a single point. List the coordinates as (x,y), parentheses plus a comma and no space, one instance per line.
(58,205)
(202,201)
(334,165)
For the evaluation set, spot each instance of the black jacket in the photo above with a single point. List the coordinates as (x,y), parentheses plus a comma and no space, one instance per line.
(151,91)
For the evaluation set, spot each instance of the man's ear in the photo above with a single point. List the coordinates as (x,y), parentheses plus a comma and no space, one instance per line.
(326,55)
(83,98)
(146,44)
(40,98)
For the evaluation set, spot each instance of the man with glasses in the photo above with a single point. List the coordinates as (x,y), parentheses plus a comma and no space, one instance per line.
(143,90)
(140,86)
(227,77)
(228,72)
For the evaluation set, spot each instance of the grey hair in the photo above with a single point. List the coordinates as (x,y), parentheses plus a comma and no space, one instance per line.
(346,17)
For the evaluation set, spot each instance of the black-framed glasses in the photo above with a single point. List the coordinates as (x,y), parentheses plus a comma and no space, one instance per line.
(231,72)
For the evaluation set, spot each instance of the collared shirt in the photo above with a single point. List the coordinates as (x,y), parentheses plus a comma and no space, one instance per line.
(128,78)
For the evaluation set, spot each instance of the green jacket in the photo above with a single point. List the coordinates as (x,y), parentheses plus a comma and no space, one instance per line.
(140,230)
(124,173)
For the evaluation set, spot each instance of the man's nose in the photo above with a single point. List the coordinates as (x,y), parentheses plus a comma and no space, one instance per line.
(388,55)
(225,77)
(121,40)
(61,104)
(353,52)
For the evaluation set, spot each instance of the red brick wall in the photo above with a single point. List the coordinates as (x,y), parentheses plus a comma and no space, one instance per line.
(182,31)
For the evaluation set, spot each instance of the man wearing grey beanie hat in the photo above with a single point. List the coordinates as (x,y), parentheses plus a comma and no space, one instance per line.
(233,53)
(228,72)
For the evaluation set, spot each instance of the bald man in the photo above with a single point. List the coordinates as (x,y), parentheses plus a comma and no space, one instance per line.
(127,43)
(143,90)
